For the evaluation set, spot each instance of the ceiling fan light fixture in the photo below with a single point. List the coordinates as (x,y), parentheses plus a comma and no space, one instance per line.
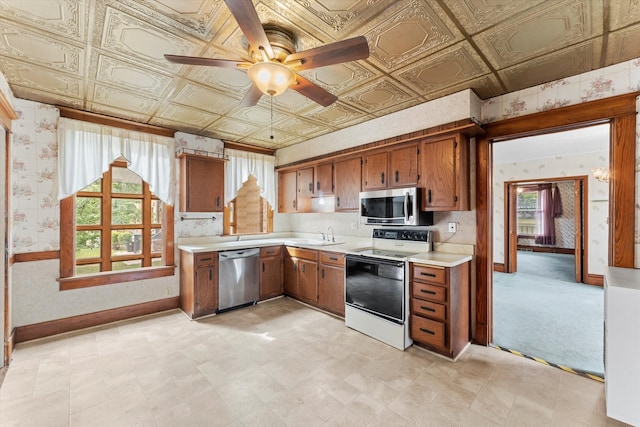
(272,78)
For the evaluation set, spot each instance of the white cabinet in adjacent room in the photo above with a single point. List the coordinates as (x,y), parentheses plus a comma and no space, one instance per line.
(622,344)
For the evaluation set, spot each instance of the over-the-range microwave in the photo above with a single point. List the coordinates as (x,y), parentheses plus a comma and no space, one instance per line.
(398,206)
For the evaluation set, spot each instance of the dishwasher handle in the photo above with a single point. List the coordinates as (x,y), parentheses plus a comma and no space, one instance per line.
(242,253)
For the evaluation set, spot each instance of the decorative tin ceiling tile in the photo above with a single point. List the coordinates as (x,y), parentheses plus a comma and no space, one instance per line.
(416,30)
(63,17)
(118,112)
(408,104)
(123,74)
(299,126)
(541,31)
(623,45)
(485,87)
(379,95)
(451,66)
(174,124)
(47,97)
(337,114)
(111,96)
(477,15)
(568,62)
(139,40)
(256,115)
(263,138)
(41,49)
(205,99)
(232,126)
(231,79)
(199,18)
(623,13)
(340,78)
(290,101)
(43,79)
(179,113)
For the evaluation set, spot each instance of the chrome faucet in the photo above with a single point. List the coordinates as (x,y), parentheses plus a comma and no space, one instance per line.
(333,238)
(324,237)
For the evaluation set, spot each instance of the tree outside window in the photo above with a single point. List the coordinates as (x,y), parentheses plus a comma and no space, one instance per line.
(526,212)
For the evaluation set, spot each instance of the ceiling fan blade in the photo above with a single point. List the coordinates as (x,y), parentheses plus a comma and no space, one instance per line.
(313,91)
(330,54)
(212,62)
(247,18)
(252,96)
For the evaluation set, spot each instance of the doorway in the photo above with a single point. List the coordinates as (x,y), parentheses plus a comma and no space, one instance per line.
(524,221)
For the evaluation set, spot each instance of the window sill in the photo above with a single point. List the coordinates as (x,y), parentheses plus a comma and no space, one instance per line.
(110,277)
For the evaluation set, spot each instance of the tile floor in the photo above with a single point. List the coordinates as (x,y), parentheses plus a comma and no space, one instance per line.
(278,364)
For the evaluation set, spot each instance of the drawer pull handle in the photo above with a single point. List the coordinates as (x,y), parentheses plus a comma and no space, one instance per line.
(427,309)
(426,331)
(427,274)
(205,259)
(332,258)
(424,291)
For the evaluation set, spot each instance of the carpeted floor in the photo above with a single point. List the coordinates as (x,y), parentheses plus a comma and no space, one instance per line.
(541,312)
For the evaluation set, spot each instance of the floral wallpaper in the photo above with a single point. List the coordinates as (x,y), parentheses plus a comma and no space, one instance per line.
(606,82)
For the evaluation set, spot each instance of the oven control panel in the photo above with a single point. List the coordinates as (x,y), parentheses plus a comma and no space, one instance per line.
(395,234)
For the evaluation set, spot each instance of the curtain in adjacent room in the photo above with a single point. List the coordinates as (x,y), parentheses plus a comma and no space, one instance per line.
(546,230)
(241,164)
(85,151)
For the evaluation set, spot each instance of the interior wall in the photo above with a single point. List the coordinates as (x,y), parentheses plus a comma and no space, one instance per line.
(3,158)
(559,166)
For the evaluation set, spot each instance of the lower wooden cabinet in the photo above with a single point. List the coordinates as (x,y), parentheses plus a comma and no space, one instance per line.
(331,283)
(301,274)
(440,299)
(271,274)
(198,283)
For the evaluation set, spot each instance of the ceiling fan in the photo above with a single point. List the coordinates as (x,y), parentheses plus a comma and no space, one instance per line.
(275,61)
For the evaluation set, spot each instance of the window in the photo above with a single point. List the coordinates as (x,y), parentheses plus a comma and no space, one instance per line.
(118,226)
(526,212)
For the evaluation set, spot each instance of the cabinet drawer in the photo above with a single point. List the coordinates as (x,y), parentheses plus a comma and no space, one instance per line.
(429,309)
(271,251)
(431,292)
(427,331)
(332,258)
(429,274)
(206,259)
(308,254)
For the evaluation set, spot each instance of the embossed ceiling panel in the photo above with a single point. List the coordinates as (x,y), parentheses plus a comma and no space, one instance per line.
(107,56)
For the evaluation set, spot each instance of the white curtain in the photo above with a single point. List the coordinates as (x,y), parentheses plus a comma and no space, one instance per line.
(85,151)
(241,164)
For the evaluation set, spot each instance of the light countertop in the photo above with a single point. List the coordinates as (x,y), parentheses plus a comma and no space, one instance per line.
(441,259)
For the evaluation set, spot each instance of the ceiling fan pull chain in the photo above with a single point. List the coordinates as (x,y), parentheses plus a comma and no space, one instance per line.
(271,98)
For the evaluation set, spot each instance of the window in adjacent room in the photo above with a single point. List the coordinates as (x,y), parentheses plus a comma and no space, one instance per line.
(526,212)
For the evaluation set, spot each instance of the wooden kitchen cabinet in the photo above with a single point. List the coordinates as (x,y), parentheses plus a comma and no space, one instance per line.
(445,174)
(324,179)
(331,283)
(201,183)
(347,184)
(397,167)
(439,308)
(198,283)
(287,191)
(305,182)
(301,274)
(271,273)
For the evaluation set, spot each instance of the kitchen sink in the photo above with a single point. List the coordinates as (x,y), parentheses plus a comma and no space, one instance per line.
(314,242)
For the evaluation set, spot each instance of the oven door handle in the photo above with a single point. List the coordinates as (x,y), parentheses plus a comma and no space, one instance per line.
(374,260)
(406,206)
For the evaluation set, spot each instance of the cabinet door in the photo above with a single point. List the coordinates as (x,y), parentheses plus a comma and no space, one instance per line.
(202,184)
(403,166)
(206,290)
(291,276)
(331,289)
(324,179)
(375,171)
(445,174)
(287,191)
(271,284)
(305,182)
(348,179)
(308,280)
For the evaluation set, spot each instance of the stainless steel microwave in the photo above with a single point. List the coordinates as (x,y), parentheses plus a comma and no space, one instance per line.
(398,206)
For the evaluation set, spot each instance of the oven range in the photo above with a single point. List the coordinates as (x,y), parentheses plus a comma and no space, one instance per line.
(376,284)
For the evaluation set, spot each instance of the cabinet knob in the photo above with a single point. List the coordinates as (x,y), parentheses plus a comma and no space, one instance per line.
(318,185)
(338,201)
(429,196)
(382,178)
(310,186)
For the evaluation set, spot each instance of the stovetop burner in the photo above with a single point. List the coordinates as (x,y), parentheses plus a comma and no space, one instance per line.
(382,253)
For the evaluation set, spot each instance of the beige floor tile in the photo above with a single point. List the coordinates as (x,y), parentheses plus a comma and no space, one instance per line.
(262,416)
(494,403)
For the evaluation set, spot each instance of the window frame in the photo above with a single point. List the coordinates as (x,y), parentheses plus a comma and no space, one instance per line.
(535,210)
(68,280)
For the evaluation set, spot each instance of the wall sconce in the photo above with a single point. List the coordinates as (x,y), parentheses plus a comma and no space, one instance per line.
(601,174)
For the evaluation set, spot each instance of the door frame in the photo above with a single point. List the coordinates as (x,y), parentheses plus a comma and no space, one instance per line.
(620,112)
(580,222)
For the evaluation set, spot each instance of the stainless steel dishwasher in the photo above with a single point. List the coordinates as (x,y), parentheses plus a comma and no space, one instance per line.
(238,280)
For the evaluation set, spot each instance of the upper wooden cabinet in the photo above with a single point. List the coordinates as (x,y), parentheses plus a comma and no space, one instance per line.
(289,196)
(397,167)
(201,183)
(348,182)
(305,182)
(445,174)
(324,179)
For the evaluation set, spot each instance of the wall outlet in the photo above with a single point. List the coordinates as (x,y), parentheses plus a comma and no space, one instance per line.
(168,292)
(354,225)
(453,227)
